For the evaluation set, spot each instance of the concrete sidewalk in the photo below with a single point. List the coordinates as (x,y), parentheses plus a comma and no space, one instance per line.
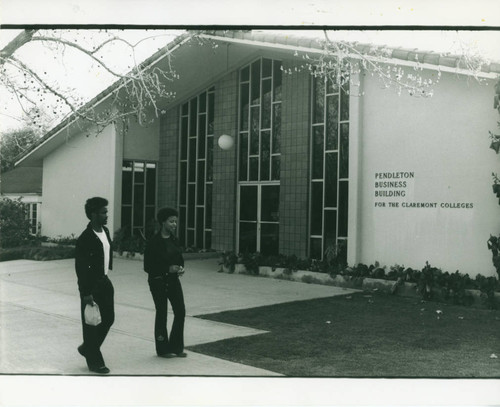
(40,325)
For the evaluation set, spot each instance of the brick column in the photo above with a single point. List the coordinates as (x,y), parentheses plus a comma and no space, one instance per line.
(294,189)
(169,159)
(224,165)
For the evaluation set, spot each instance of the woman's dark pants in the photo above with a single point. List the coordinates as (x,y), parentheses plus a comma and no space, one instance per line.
(164,290)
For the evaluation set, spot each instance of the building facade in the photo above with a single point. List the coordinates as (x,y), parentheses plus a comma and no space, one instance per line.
(315,166)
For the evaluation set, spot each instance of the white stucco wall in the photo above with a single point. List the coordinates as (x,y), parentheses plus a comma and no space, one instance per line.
(444,141)
(81,168)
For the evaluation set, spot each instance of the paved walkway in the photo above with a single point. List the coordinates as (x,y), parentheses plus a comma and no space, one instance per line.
(41,328)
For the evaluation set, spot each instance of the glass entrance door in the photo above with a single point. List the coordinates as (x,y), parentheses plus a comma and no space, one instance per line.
(258,226)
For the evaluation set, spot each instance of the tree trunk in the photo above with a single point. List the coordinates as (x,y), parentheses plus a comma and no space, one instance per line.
(15,44)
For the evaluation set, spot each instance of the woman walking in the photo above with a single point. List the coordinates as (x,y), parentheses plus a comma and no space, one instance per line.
(164,264)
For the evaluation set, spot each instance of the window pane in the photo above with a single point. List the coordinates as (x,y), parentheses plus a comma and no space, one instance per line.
(191,205)
(277,128)
(248,237)
(342,250)
(332,86)
(200,183)
(211,105)
(185,109)
(208,206)
(269,239)
(331,180)
(183,182)
(254,168)
(344,150)
(200,227)
(330,227)
(270,203)
(266,67)
(248,203)
(203,103)
(182,225)
(317,153)
(316,208)
(244,107)
(243,157)
(275,167)
(318,99)
(190,238)
(150,221)
(138,173)
(184,127)
(332,111)
(245,74)
(208,240)
(344,102)
(150,184)
(193,114)
(127,183)
(192,159)
(277,81)
(255,92)
(343,207)
(126,217)
(265,155)
(315,249)
(139,205)
(266,104)
(210,157)
(201,136)
(254,131)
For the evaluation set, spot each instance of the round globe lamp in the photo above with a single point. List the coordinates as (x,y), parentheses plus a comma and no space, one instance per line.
(226,142)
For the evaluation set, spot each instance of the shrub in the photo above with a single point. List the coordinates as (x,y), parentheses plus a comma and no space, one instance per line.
(124,241)
(64,240)
(488,286)
(251,261)
(14,224)
(36,253)
(228,260)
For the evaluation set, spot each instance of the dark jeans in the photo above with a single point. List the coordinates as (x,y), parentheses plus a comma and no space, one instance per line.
(93,336)
(164,290)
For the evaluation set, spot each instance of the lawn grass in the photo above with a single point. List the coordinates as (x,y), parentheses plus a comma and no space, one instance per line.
(364,335)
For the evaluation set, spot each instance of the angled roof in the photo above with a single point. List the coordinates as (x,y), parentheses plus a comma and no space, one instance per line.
(22,180)
(412,55)
(286,42)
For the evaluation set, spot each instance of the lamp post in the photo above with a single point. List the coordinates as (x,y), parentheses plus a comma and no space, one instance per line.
(225,142)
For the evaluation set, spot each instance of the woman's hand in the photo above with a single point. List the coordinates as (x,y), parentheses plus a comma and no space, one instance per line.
(88,299)
(181,271)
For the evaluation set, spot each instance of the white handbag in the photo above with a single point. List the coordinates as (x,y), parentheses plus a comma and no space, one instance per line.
(92,315)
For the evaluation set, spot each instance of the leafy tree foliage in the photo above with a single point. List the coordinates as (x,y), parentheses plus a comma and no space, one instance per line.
(14,143)
(14,224)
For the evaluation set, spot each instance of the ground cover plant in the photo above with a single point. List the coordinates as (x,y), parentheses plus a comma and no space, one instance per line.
(36,253)
(364,335)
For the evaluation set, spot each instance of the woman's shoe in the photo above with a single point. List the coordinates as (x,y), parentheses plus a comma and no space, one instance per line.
(173,355)
(102,369)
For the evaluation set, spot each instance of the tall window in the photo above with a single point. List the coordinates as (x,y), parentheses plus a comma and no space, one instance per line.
(329,167)
(259,156)
(196,163)
(138,197)
(260,121)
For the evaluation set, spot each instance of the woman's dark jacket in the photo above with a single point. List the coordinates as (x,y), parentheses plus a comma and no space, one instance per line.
(160,254)
(89,259)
